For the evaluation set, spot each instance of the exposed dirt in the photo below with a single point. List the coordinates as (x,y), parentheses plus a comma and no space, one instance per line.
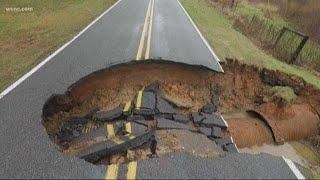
(253,131)
(240,88)
(182,140)
(286,120)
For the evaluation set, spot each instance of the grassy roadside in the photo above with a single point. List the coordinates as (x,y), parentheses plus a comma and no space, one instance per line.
(264,30)
(229,43)
(28,37)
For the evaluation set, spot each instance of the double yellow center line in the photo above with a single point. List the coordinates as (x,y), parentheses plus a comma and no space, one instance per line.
(146,27)
(112,171)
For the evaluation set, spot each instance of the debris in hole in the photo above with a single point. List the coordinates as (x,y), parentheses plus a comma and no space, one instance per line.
(177,103)
(114,148)
(71,130)
(145,104)
(133,125)
(181,118)
(197,117)
(240,89)
(216,132)
(163,107)
(209,120)
(108,116)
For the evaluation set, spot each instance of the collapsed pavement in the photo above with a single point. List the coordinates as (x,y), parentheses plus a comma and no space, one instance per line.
(192,92)
(133,126)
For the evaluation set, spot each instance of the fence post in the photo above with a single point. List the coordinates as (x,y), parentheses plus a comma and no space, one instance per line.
(279,36)
(298,50)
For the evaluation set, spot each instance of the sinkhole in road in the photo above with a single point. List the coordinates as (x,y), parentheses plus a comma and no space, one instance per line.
(174,107)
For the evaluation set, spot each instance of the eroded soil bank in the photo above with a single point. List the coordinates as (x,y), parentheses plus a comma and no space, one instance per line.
(239,89)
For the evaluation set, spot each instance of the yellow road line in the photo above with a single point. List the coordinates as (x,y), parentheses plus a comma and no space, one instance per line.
(112,171)
(128,127)
(132,170)
(117,140)
(127,106)
(139,99)
(147,55)
(143,35)
(110,130)
(111,134)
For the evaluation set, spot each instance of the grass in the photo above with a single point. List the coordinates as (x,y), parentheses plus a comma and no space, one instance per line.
(308,153)
(28,37)
(264,30)
(301,14)
(229,43)
(260,11)
(283,92)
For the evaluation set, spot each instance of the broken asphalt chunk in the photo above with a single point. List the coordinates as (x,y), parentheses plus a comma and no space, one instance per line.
(213,132)
(170,124)
(197,117)
(135,129)
(211,120)
(71,130)
(206,131)
(223,141)
(163,107)
(145,103)
(99,132)
(109,116)
(181,118)
(94,157)
(92,152)
(216,132)
(136,117)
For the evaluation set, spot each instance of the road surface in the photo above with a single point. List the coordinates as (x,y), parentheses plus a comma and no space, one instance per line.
(116,37)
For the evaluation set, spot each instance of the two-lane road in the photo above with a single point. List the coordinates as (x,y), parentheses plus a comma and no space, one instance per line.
(115,37)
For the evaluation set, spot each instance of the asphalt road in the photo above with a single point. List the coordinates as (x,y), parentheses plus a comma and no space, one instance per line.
(27,152)
(231,166)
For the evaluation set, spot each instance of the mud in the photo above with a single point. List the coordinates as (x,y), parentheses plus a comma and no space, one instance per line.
(240,88)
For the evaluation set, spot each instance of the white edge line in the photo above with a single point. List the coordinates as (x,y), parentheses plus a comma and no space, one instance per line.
(225,122)
(201,36)
(234,144)
(293,168)
(33,70)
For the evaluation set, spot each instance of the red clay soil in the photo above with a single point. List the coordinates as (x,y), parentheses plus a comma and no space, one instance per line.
(241,88)
(293,122)
(248,132)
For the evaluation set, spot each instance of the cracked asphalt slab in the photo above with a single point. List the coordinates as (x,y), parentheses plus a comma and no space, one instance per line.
(26,150)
